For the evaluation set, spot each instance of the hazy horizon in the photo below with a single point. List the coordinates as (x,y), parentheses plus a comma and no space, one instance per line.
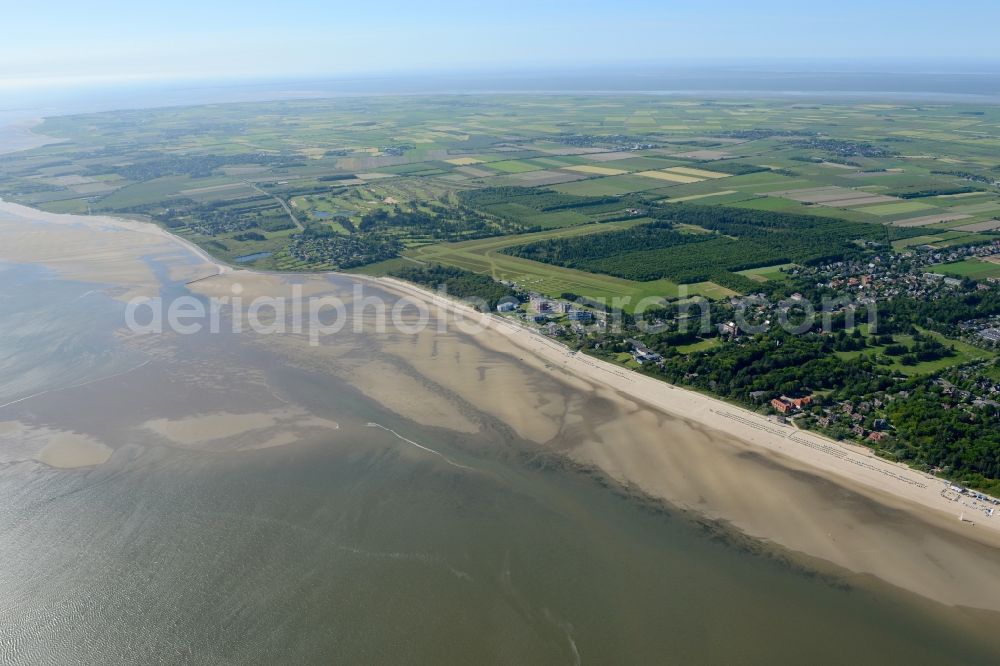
(115,41)
(914,81)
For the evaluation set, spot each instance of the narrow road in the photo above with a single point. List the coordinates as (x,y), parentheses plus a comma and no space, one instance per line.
(284,204)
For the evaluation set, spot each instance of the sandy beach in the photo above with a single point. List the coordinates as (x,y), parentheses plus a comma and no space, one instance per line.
(118,258)
(797,489)
(853,463)
(833,503)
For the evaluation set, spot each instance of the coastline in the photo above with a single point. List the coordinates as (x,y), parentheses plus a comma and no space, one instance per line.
(18,136)
(739,468)
(863,514)
(852,464)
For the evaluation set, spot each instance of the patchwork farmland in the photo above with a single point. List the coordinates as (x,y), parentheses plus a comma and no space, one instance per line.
(372,181)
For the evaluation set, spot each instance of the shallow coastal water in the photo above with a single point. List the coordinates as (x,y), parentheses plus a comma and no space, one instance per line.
(266,501)
(53,332)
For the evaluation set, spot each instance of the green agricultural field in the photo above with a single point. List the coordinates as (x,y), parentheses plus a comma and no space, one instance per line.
(484,256)
(941,240)
(562,218)
(513,166)
(976,269)
(608,185)
(777,204)
(700,346)
(896,208)
(768,273)
(219,171)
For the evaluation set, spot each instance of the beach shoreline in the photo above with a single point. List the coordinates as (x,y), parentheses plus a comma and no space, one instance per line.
(943,526)
(20,135)
(853,464)
(746,442)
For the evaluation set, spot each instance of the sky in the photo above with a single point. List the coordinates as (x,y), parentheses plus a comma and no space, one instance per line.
(71,41)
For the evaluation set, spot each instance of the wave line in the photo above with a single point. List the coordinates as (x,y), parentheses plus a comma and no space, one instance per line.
(82,384)
(421,446)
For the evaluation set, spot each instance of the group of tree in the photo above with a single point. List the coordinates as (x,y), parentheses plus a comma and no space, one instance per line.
(540,199)
(941,314)
(742,239)
(435,221)
(458,283)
